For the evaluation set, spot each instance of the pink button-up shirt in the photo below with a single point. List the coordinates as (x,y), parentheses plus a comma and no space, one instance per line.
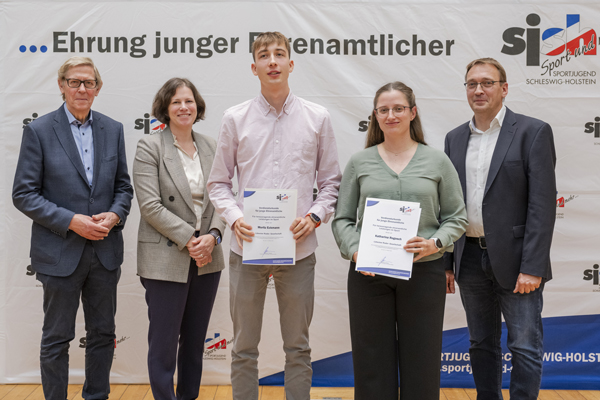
(271,151)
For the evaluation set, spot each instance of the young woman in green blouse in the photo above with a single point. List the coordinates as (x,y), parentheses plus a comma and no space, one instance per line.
(396,325)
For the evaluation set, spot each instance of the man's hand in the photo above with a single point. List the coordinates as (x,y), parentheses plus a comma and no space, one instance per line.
(108,219)
(243,232)
(527,283)
(450,282)
(423,247)
(201,248)
(88,228)
(302,227)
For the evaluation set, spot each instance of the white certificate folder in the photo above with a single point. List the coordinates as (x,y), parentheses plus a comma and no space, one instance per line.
(386,226)
(270,213)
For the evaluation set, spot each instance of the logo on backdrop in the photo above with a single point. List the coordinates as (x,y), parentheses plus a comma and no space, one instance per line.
(561,202)
(593,128)
(32,48)
(271,283)
(83,343)
(555,50)
(27,121)
(363,126)
(30,272)
(593,276)
(214,347)
(149,124)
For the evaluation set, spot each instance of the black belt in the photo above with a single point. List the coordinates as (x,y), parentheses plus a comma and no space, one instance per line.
(479,240)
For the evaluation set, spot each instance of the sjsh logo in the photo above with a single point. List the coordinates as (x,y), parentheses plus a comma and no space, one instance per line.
(571,39)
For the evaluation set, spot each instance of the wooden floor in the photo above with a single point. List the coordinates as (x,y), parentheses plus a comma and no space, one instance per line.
(142,392)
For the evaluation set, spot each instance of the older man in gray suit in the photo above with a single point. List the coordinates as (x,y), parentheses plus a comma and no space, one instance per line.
(72,181)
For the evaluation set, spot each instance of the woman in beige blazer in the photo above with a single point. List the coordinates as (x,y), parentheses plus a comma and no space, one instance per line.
(179,256)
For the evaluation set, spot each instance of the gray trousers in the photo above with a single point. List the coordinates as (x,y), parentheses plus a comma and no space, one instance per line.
(295,289)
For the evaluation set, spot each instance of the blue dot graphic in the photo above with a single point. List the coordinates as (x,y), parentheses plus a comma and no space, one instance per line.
(22,49)
(32,49)
(43,49)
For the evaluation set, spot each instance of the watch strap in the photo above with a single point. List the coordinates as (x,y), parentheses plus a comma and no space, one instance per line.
(216,236)
(315,218)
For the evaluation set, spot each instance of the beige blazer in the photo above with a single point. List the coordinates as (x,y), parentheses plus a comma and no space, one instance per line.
(168,218)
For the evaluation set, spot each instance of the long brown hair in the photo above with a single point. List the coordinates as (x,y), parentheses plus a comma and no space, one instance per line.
(375,134)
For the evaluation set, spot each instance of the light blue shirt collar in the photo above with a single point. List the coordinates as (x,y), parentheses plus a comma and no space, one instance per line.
(84,140)
(72,119)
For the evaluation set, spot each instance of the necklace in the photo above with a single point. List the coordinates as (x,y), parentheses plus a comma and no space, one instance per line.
(400,152)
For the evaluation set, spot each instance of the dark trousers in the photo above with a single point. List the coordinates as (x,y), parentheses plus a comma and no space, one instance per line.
(179,314)
(396,325)
(97,288)
(485,301)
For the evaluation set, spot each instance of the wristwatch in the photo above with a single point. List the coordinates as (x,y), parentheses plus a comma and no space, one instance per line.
(217,237)
(315,218)
(438,243)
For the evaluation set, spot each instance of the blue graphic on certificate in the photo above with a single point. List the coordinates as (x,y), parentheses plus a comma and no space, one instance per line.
(270,213)
(386,226)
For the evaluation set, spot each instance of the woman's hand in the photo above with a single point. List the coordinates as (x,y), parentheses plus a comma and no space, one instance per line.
(354,258)
(423,247)
(450,285)
(201,248)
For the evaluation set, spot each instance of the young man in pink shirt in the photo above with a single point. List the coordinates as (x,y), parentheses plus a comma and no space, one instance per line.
(275,141)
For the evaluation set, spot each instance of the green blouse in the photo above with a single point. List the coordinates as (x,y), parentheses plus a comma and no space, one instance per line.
(429,179)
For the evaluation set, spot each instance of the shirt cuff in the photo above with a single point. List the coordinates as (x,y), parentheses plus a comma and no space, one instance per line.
(232,215)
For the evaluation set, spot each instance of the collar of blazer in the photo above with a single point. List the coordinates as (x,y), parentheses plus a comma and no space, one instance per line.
(173,164)
(505,138)
(65,137)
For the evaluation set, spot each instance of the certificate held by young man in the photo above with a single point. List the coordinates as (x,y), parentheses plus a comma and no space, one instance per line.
(270,213)
(386,226)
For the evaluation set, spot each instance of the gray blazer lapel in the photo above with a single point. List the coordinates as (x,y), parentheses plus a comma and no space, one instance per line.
(99,137)
(505,138)
(65,137)
(173,165)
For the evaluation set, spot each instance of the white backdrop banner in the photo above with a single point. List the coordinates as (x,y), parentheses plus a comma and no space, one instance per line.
(343,52)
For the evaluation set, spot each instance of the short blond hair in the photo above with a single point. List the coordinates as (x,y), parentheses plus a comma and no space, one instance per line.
(266,39)
(490,61)
(75,62)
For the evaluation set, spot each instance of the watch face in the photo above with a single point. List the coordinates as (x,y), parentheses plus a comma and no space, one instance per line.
(315,217)
(438,243)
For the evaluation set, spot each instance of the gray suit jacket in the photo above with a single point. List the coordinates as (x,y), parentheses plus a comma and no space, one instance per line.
(519,202)
(168,218)
(50,187)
